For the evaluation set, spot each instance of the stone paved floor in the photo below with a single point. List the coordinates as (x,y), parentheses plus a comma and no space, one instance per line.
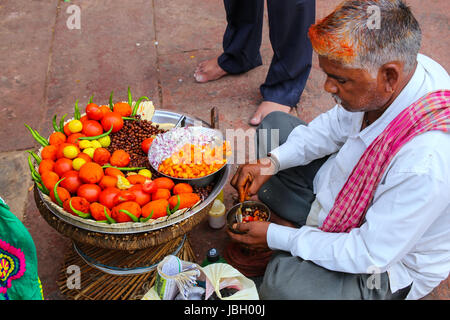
(153,47)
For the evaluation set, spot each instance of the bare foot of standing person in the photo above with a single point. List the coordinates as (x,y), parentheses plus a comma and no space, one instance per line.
(209,70)
(264,109)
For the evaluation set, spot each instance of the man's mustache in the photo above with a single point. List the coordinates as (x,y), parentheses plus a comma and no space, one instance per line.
(337,99)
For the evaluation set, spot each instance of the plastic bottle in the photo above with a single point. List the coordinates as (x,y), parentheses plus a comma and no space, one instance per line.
(212,256)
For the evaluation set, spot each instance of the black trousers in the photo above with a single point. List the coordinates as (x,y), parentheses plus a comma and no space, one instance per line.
(289,21)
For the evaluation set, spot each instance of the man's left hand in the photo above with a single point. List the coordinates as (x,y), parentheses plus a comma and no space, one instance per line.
(255,234)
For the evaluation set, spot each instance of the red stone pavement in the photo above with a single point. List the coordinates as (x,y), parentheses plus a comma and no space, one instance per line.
(153,47)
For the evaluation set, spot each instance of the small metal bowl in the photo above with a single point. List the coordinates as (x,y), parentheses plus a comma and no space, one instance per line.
(195,182)
(231,214)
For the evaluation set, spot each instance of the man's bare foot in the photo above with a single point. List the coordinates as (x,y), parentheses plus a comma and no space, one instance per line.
(264,109)
(209,70)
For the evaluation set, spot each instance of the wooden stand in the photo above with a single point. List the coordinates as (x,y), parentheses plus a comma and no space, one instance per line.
(128,276)
(116,267)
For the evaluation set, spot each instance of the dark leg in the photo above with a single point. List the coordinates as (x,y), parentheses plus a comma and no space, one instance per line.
(242,38)
(289,21)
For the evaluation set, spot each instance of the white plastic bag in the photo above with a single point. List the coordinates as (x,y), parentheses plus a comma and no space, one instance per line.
(217,276)
(221,275)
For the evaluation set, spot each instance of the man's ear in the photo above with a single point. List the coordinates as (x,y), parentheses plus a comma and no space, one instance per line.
(390,75)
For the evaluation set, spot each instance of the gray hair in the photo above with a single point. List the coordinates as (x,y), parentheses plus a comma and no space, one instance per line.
(353,36)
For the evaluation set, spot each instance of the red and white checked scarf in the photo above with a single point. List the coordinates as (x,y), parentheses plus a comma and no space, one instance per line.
(431,112)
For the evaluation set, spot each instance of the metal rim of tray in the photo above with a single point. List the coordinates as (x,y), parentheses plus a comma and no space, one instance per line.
(160,116)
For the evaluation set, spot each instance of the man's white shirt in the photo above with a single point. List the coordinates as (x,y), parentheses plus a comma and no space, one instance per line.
(407,227)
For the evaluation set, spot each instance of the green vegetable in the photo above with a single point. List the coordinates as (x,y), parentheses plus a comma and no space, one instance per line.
(111,105)
(128,213)
(123,168)
(129,118)
(55,126)
(37,177)
(97,137)
(138,102)
(58,199)
(168,210)
(148,217)
(177,205)
(61,123)
(40,139)
(35,156)
(130,99)
(108,218)
(77,114)
(78,212)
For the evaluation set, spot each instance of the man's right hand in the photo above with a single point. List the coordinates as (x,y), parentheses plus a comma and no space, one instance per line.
(258,173)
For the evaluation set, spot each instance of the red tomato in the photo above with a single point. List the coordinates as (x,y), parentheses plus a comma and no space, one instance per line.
(107,196)
(92,128)
(149,187)
(145,145)
(71,182)
(62,166)
(94,112)
(113,119)
(124,195)
(89,191)
(141,197)
(73,138)
(83,119)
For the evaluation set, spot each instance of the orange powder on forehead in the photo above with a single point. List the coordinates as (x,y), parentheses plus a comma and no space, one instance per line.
(327,42)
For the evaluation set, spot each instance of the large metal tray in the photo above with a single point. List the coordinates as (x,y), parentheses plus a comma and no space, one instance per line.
(160,116)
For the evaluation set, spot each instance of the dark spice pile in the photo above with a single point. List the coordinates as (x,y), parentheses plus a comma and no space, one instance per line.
(130,138)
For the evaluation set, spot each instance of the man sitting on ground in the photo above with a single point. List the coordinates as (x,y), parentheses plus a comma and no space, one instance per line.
(361,194)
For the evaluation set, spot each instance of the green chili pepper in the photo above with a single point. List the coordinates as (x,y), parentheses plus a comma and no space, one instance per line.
(35,156)
(129,118)
(55,126)
(128,213)
(123,168)
(55,188)
(108,218)
(41,187)
(37,177)
(91,98)
(81,214)
(130,99)
(177,205)
(138,102)
(76,114)
(96,137)
(111,105)
(168,210)
(34,173)
(103,221)
(148,217)
(40,139)
(61,123)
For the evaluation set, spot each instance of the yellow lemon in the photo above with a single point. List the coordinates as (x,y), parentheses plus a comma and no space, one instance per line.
(70,152)
(95,144)
(145,173)
(105,141)
(75,126)
(123,183)
(89,152)
(83,144)
(77,163)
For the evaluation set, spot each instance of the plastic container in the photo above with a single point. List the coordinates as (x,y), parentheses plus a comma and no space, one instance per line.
(216,215)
